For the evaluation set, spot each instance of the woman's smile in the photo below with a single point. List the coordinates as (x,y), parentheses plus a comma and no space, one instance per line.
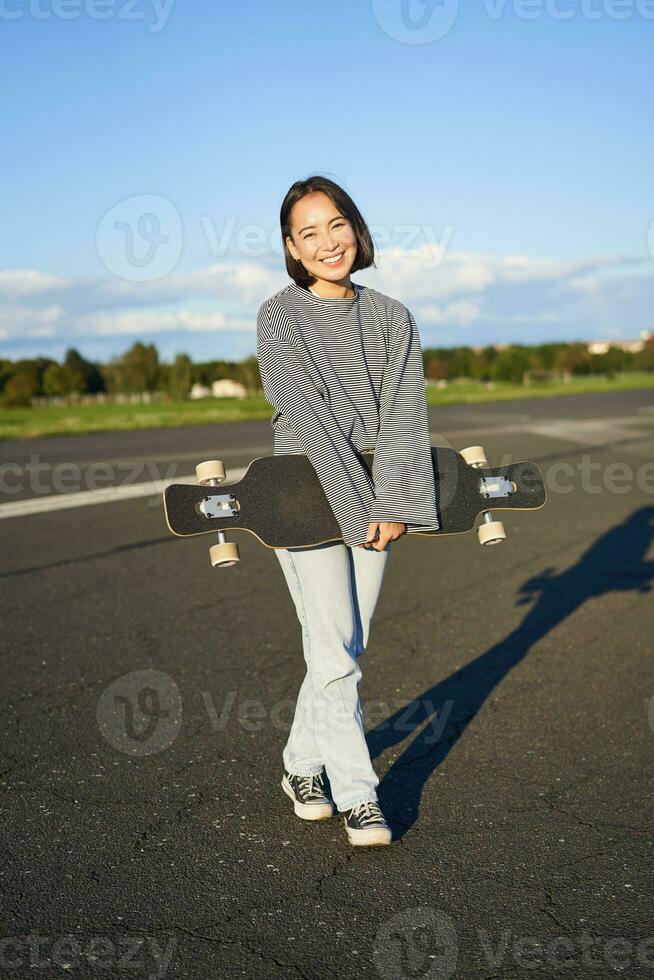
(334,260)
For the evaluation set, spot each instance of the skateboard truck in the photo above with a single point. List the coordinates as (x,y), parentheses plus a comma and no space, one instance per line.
(211,474)
(489,531)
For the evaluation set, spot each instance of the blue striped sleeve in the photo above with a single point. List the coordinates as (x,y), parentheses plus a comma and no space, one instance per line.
(403,471)
(290,389)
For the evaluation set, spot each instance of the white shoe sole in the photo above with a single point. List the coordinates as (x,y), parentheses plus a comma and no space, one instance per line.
(308,811)
(374,837)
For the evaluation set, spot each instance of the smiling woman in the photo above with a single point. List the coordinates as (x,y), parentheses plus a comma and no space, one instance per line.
(341,363)
(325,237)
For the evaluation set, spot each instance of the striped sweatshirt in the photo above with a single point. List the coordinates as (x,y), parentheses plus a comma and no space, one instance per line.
(346,375)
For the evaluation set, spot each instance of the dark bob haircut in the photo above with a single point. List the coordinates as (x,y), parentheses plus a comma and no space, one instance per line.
(365,256)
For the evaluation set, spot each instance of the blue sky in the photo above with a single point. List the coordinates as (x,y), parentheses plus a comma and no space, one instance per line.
(501,153)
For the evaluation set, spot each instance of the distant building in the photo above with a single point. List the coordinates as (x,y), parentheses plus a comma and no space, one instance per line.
(200,391)
(227,388)
(478,348)
(633,346)
(592,346)
(224,388)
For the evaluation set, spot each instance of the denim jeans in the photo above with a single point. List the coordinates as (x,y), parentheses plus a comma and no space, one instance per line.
(334,589)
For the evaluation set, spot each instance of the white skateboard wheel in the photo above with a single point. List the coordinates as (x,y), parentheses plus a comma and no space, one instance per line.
(212,469)
(224,554)
(474,456)
(491,533)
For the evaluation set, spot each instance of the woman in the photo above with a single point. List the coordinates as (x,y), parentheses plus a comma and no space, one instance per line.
(342,365)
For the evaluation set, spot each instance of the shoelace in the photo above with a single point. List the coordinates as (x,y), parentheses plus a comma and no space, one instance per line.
(311,786)
(368,812)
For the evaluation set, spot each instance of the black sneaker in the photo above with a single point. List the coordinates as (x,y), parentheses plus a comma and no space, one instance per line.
(310,800)
(366,825)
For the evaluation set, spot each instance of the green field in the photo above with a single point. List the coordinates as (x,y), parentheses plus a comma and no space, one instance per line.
(25,423)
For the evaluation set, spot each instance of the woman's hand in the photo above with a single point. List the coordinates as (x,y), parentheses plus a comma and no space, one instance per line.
(387,530)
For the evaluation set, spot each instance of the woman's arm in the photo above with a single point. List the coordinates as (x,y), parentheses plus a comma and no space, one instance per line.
(403,472)
(289,388)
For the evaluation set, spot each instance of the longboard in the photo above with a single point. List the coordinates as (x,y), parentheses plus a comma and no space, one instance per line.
(281,502)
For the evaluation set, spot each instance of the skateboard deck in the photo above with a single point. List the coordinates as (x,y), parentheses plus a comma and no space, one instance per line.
(280,499)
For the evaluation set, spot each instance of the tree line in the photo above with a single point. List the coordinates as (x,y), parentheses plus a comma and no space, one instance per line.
(137,371)
(140,369)
(518,362)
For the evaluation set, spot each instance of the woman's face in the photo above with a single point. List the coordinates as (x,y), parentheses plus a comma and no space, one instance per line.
(319,233)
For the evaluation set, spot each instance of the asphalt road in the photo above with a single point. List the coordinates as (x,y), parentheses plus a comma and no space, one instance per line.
(508,694)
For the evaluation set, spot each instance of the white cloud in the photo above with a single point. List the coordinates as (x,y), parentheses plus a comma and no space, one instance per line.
(429,272)
(28,282)
(158,321)
(26,322)
(492,297)
(461,313)
(245,283)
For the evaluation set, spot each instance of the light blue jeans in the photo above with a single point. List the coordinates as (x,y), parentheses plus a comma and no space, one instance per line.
(334,589)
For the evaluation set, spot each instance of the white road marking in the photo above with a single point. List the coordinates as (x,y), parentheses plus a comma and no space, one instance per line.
(153,458)
(585,432)
(580,431)
(105,495)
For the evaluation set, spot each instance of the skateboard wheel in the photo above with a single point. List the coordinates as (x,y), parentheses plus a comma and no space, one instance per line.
(224,554)
(474,456)
(491,533)
(212,469)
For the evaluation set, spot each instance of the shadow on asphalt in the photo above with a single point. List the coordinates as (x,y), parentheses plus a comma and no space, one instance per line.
(613,563)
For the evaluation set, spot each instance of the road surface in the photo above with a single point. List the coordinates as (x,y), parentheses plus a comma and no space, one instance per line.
(508,696)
